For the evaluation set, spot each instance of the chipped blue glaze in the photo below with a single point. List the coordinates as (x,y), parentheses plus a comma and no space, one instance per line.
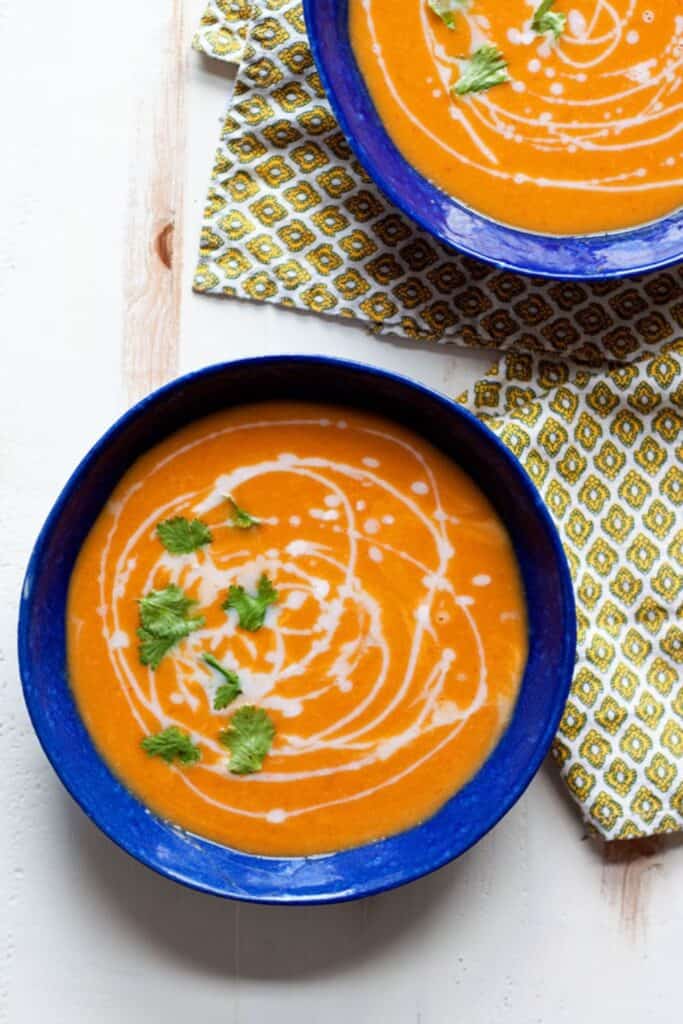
(205,865)
(582,257)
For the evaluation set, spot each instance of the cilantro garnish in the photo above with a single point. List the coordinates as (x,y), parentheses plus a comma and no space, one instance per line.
(164,620)
(546,20)
(485,68)
(240,517)
(248,738)
(180,536)
(251,609)
(227,691)
(171,744)
(447,9)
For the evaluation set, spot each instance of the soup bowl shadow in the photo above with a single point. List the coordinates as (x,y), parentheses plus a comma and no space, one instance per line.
(219,938)
(347,874)
(580,257)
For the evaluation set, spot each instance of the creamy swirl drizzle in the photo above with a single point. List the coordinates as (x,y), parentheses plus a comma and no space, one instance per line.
(567,124)
(328,590)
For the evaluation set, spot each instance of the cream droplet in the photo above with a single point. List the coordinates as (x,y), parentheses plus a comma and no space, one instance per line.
(118,640)
(276,817)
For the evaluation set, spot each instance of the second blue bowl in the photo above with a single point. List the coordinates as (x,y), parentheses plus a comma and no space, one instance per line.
(613,254)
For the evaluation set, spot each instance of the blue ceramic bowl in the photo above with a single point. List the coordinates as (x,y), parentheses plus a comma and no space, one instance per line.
(581,257)
(352,873)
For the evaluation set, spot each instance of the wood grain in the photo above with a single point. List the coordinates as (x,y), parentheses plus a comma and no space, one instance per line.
(626,874)
(153,271)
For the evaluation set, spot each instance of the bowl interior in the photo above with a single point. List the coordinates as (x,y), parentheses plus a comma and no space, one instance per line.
(199,862)
(582,257)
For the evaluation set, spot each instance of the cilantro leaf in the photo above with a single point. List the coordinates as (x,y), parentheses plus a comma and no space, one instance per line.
(225,695)
(546,20)
(240,517)
(180,536)
(170,744)
(231,688)
(251,609)
(164,612)
(485,68)
(248,738)
(152,648)
(447,9)
(164,621)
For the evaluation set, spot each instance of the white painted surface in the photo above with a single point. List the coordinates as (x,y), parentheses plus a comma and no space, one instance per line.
(527,928)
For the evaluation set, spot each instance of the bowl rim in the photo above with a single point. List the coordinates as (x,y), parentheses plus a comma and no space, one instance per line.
(95,810)
(644,248)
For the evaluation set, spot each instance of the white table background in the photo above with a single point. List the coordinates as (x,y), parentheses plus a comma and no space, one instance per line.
(109,127)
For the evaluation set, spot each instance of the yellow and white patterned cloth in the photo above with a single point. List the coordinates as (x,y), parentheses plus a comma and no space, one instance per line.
(588,392)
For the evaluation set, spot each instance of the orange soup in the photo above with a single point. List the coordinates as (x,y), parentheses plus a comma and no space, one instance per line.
(562,117)
(296,628)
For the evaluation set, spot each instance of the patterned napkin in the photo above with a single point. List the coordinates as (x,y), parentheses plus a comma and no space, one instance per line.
(588,394)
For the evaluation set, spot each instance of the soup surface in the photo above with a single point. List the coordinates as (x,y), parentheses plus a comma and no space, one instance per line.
(385,655)
(585,136)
